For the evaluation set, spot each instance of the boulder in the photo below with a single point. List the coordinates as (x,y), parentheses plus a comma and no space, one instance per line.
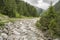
(4,35)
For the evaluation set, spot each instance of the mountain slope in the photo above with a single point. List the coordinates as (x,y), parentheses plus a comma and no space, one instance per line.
(17,8)
(57,7)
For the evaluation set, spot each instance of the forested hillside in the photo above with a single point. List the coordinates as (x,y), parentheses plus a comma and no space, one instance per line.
(17,8)
(57,7)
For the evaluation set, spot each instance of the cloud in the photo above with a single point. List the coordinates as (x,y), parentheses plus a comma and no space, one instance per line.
(44,4)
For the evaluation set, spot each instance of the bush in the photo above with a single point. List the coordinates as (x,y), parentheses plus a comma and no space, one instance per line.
(17,15)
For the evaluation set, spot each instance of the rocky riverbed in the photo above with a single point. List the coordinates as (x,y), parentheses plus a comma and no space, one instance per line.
(23,29)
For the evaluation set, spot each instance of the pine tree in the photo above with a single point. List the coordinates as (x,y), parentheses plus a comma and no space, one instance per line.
(1,5)
(48,23)
(10,8)
(16,8)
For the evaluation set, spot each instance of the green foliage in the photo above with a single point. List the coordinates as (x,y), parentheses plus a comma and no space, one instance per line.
(49,23)
(17,15)
(38,24)
(1,25)
(57,7)
(14,8)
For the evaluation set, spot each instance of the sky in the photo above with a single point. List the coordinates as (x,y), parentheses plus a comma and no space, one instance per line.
(44,4)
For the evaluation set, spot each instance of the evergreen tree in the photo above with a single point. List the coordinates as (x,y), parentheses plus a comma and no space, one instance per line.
(10,8)
(16,8)
(49,23)
(1,5)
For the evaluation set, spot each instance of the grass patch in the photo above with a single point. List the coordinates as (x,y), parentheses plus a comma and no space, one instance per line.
(1,25)
(5,19)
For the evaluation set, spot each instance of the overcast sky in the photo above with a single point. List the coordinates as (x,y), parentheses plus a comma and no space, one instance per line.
(44,4)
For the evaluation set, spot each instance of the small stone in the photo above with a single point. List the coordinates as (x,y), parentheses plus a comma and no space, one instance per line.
(57,39)
(4,35)
(1,38)
(0,31)
(5,30)
(16,33)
